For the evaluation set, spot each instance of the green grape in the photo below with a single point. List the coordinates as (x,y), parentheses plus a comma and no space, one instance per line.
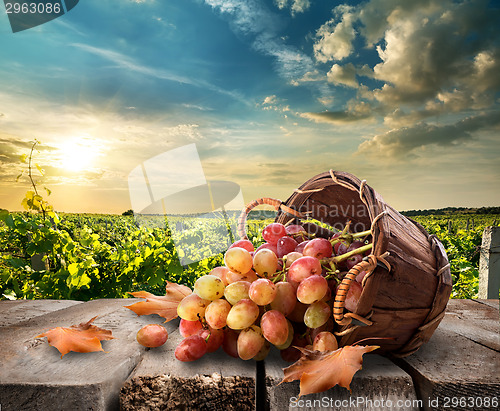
(237,291)
(238,260)
(317,314)
(209,287)
(242,315)
(265,262)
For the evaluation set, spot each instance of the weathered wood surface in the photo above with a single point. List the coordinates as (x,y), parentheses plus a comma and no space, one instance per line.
(34,377)
(459,368)
(378,385)
(462,359)
(214,382)
(489,263)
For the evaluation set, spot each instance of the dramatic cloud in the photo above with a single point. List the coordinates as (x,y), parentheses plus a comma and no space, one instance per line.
(427,48)
(345,75)
(399,142)
(336,37)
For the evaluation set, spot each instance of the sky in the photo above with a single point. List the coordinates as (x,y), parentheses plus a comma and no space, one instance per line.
(403,94)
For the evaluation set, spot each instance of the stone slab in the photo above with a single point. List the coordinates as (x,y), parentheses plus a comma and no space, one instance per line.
(379,385)
(34,377)
(214,382)
(460,362)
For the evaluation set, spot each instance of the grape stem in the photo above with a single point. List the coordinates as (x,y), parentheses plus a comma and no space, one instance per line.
(342,257)
(349,236)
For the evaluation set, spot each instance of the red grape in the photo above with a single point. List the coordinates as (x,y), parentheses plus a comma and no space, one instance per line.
(312,289)
(273,232)
(286,245)
(285,299)
(230,343)
(274,327)
(250,342)
(246,244)
(353,260)
(265,262)
(152,335)
(300,247)
(262,291)
(297,232)
(232,277)
(238,260)
(268,246)
(188,328)
(325,341)
(212,337)
(216,313)
(352,297)
(319,248)
(291,257)
(191,349)
(303,268)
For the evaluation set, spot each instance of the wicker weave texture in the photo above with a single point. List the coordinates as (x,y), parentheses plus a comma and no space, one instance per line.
(403,304)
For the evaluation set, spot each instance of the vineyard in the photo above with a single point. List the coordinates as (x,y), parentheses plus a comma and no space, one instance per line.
(83,257)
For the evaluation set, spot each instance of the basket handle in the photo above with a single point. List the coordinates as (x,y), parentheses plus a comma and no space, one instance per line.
(368,265)
(277,204)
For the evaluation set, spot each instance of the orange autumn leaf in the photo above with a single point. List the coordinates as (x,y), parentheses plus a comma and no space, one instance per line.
(165,306)
(319,371)
(84,337)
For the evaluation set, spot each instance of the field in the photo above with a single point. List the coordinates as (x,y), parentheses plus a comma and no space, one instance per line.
(84,257)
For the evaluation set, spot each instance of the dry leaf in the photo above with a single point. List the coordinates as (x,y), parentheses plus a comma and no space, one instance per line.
(319,371)
(84,337)
(165,306)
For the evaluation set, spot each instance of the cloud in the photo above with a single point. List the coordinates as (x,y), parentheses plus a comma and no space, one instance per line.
(274,103)
(355,112)
(435,58)
(270,100)
(428,48)
(335,117)
(250,18)
(335,38)
(400,142)
(296,6)
(343,75)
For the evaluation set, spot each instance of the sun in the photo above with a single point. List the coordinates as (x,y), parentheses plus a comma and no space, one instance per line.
(78,155)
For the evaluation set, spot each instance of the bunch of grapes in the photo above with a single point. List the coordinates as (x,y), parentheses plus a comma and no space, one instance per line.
(279,294)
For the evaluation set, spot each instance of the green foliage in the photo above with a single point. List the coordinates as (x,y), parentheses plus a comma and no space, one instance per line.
(89,256)
(461,235)
(92,256)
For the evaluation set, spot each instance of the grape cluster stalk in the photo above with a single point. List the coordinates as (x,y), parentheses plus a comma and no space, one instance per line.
(279,294)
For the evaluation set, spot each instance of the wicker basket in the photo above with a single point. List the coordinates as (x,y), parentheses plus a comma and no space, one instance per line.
(408,283)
